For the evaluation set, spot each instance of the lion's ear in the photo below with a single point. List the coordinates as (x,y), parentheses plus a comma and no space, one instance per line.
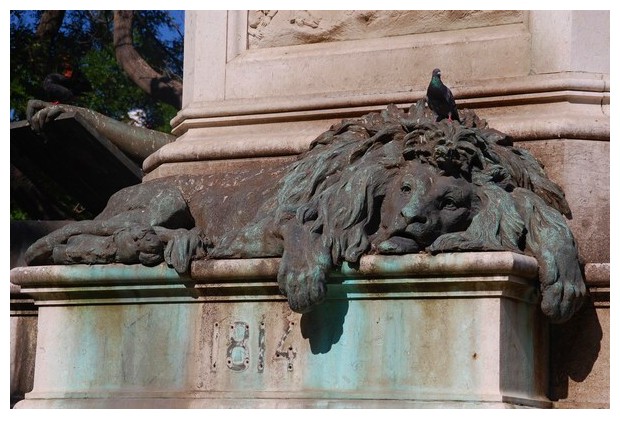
(496,226)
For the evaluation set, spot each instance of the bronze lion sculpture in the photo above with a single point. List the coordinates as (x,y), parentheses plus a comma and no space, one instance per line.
(392,182)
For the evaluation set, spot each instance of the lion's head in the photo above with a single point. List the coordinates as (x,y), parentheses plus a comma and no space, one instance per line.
(421,205)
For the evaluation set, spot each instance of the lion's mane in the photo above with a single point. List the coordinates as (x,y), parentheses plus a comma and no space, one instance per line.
(335,190)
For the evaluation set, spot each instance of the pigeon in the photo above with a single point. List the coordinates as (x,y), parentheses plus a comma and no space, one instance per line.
(440,99)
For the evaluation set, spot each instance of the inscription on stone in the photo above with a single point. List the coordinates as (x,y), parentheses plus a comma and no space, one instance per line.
(261,347)
(238,353)
(215,346)
(285,349)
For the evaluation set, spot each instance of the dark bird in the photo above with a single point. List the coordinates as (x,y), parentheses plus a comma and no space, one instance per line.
(63,87)
(440,99)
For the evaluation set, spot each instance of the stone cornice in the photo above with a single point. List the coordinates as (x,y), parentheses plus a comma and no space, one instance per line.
(537,107)
(572,87)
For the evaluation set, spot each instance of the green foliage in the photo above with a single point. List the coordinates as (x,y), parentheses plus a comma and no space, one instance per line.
(18,213)
(85,41)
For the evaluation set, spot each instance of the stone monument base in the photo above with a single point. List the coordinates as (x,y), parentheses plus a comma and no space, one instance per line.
(414,331)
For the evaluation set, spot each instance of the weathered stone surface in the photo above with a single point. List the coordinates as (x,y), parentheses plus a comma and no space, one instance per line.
(220,68)
(269,28)
(23,352)
(570,40)
(23,312)
(280,71)
(597,274)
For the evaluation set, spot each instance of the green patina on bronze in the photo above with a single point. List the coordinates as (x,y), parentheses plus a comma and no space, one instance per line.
(391,182)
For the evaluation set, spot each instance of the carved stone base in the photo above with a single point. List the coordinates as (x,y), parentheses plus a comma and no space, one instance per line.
(452,331)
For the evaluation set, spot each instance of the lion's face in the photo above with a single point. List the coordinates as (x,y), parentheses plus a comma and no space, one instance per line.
(421,205)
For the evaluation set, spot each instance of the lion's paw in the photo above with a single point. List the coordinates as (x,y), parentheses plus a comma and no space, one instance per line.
(137,244)
(182,247)
(304,289)
(562,299)
(40,252)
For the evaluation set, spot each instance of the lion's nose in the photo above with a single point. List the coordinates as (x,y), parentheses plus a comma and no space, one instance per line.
(411,215)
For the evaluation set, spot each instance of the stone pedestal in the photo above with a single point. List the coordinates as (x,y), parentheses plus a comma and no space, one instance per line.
(453,330)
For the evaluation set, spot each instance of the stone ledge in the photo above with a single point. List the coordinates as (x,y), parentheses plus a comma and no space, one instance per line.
(377,65)
(597,274)
(137,400)
(255,279)
(54,284)
(230,270)
(598,280)
(253,138)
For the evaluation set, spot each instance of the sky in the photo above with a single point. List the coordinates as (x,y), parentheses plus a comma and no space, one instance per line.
(179,19)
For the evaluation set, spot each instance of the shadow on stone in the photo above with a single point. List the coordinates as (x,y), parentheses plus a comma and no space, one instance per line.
(575,347)
(323,326)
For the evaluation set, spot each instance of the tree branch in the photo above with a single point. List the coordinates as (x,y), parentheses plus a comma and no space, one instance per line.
(161,87)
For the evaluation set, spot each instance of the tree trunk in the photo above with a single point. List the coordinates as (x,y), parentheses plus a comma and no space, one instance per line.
(50,23)
(47,29)
(139,71)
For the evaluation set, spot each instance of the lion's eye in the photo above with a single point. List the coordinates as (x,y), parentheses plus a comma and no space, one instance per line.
(405,188)
(449,204)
